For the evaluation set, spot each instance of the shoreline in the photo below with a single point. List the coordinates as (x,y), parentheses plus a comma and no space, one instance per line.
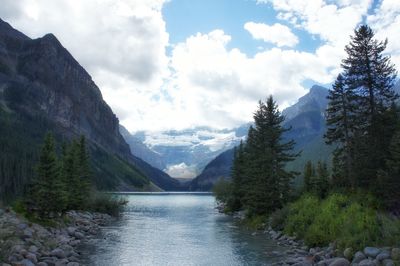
(299,254)
(28,244)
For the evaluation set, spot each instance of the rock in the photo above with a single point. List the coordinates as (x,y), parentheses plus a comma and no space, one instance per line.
(371,252)
(62,262)
(395,253)
(383,256)
(28,233)
(42,264)
(339,262)
(71,230)
(79,235)
(26,262)
(73,264)
(359,256)
(367,262)
(31,257)
(348,253)
(33,249)
(388,262)
(59,253)
(22,226)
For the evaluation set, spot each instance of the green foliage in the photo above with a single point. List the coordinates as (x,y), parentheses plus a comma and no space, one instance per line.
(340,219)
(222,190)
(48,192)
(106,203)
(255,222)
(278,218)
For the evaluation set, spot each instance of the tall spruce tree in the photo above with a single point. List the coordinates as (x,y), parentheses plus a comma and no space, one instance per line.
(341,124)
(268,182)
(238,172)
(371,75)
(48,193)
(309,172)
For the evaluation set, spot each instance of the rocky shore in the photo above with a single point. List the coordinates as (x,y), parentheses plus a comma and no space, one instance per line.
(26,244)
(300,255)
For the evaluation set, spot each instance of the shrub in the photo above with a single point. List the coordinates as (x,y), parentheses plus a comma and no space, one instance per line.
(301,214)
(342,220)
(106,203)
(222,190)
(278,218)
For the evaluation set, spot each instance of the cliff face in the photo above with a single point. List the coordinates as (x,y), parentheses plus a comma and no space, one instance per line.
(40,80)
(53,82)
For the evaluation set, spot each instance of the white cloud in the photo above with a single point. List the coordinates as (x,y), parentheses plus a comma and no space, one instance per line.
(278,34)
(386,23)
(181,170)
(332,21)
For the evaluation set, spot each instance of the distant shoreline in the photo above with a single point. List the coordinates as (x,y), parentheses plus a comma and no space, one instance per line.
(161,193)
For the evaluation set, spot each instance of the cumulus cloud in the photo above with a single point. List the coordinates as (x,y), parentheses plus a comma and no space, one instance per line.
(204,81)
(278,34)
(181,170)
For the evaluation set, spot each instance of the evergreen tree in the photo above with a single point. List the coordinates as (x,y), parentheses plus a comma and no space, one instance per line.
(238,171)
(371,75)
(309,172)
(389,178)
(322,184)
(268,182)
(48,192)
(341,123)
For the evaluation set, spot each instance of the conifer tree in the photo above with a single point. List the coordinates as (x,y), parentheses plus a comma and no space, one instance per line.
(269,183)
(309,172)
(238,172)
(48,192)
(371,75)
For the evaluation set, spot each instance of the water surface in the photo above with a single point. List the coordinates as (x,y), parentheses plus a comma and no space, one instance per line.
(177,229)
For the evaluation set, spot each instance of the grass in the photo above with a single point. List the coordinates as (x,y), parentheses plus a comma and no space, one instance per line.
(106,203)
(342,219)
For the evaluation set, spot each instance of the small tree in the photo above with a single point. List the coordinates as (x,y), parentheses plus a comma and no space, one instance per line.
(48,189)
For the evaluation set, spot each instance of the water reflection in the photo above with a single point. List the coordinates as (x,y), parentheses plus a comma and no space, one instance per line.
(177,230)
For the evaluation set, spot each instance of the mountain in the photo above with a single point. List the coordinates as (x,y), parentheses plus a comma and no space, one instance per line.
(140,150)
(217,168)
(307,121)
(183,153)
(43,88)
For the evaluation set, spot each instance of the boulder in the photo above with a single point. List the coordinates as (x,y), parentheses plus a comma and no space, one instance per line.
(388,262)
(73,264)
(58,252)
(79,235)
(339,262)
(396,253)
(383,256)
(33,249)
(348,253)
(31,257)
(367,262)
(358,257)
(71,230)
(371,252)
(42,263)
(26,262)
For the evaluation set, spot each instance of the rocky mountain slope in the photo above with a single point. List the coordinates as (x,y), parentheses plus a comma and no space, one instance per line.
(43,88)
(307,120)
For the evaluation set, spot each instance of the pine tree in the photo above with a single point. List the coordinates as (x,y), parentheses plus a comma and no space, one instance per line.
(238,172)
(48,192)
(341,123)
(268,182)
(371,75)
(322,174)
(309,172)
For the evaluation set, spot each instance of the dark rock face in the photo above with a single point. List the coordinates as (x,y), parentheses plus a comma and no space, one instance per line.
(53,82)
(40,78)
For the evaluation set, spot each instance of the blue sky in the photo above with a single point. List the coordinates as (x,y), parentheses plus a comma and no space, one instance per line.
(175,64)
(185,18)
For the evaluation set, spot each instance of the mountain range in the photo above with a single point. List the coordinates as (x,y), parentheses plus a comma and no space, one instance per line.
(43,88)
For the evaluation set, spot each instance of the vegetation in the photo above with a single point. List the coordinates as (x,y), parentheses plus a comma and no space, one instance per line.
(260,182)
(342,218)
(64,183)
(350,205)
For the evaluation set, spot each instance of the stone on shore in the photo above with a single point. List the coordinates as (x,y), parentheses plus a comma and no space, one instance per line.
(371,252)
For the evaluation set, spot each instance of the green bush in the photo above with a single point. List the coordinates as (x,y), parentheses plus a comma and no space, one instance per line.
(301,214)
(340,219)
(106,203)
(278,218)
(222,190)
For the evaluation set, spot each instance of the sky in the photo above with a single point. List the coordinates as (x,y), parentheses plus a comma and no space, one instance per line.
(175,64)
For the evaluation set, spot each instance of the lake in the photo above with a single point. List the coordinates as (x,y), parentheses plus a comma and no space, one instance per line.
(177,229)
